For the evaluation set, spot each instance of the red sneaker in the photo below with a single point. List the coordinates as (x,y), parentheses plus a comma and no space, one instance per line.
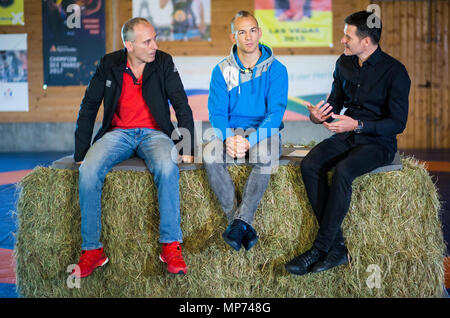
(171,254)
(90,260)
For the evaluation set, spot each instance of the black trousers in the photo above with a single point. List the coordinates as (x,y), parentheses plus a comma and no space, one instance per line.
(330,203)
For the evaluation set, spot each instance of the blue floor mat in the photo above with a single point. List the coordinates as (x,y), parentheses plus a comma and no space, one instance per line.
(8,291)
(12,161)
(8,199)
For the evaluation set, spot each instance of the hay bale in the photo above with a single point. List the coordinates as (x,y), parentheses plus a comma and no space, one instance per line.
(393,223)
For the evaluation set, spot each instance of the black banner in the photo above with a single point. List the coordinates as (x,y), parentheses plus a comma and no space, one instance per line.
(73,40)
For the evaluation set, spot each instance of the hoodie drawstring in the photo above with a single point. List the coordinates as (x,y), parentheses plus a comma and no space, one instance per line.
(239,84)
(232,62)
(253,77)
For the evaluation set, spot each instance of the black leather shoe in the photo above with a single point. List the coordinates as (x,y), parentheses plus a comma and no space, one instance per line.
(338,255)
(250,238)
(234,234)
(301,264)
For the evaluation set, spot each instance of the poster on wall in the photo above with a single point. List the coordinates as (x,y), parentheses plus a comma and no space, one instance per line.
(177,20)
(13,73)
(310,79)
(73,40)
(11,12)
(295,23)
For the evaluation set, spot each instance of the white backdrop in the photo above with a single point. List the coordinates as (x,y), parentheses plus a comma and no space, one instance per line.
(13,73)
(310,78)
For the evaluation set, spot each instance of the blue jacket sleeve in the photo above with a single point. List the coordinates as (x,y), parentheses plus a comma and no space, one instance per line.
(276,102)
(219,104)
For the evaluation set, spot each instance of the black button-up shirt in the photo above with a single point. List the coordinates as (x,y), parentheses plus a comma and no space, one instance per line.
(376,93)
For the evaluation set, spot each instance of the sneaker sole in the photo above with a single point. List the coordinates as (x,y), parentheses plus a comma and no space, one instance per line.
(233,244)
(250,244)
(343,261)
(293,270)
(180,272)
(98,265)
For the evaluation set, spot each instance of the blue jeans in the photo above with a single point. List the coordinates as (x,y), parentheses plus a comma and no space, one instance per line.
(155,148)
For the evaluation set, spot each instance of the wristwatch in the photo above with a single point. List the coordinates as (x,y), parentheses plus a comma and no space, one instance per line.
(359,128)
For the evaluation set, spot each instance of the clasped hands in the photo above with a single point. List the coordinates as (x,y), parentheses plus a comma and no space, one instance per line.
(237,146)
(321,112)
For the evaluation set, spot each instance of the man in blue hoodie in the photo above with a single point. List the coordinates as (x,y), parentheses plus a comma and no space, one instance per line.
(247,100)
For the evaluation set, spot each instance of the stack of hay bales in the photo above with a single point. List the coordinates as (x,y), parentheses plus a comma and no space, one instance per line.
(393,234)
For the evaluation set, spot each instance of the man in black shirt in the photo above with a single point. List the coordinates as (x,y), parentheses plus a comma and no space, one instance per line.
(374,87)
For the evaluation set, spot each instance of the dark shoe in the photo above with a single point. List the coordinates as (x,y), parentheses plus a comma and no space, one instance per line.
(250,238)
(235,233)
(301,264)
(338,255)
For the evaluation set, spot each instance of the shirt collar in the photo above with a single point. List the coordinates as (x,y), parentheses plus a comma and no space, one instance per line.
(373,59)
(136,81)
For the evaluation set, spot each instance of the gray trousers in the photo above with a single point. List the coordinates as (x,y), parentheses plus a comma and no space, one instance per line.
(264,158)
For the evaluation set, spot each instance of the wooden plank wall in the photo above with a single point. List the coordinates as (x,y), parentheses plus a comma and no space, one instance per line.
(416,33)
(405,25)
(60,104)
(440,86)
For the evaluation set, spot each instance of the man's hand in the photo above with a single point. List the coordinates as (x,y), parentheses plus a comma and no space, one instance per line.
(237,146)
(320,112)
(345,123)
(78,163)
(186,159)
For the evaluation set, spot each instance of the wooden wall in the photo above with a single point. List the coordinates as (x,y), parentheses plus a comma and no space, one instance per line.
(404,36)
(417,34)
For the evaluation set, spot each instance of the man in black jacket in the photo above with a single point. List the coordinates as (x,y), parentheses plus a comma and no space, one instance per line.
(135,85)
(374,87)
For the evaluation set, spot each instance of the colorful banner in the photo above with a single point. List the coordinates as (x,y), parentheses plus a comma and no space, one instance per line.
(295,23)
(13,73)
(11,12)
(73,40)
(310,79)
(174,20)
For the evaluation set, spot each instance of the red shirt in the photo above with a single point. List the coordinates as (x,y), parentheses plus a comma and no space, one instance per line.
(132,110)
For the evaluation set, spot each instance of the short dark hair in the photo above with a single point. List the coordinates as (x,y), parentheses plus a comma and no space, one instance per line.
(367,24)
(242,14)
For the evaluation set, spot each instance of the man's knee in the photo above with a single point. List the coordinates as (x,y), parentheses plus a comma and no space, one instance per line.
(165,149)
(267,152)
(89,171)
(165,167)
(213,152)
(343,174)
(308,165)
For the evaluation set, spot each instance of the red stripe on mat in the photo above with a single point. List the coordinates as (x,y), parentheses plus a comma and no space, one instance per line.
(7,266)
(442,166)
(12,176)
(447,271)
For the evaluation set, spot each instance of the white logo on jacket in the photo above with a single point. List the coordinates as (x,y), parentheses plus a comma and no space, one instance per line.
(231,76)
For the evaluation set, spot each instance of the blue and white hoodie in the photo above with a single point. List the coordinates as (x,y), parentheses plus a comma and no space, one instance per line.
(243,98)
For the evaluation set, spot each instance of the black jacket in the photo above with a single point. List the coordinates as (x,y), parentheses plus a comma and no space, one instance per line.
(160,83)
